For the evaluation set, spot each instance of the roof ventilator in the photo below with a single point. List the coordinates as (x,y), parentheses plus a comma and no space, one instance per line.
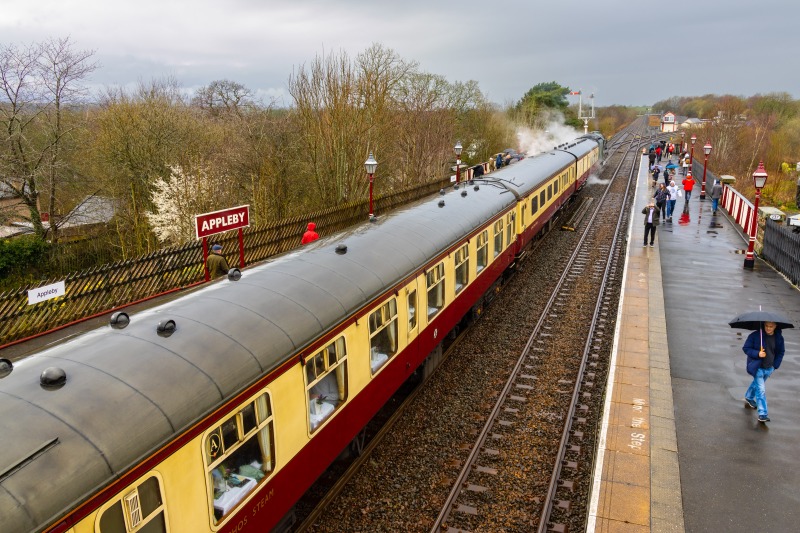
(6,366)
(476,188)
(441,203)
(341,249)
(119,320)
(441,192)
(234,274)
(463,193)
(53,378)
(166,328)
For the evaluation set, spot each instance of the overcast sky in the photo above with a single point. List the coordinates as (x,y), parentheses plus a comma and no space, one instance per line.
(625,52)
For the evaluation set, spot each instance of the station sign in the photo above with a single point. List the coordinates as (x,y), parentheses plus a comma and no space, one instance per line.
(47,292)
(220,221)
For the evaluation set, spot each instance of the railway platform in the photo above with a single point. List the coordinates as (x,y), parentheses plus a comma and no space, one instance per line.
(678,450)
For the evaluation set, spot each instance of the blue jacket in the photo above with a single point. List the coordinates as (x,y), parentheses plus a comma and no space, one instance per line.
(753,345)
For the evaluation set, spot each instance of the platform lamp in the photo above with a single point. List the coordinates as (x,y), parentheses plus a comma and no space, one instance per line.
(706,150)
(683,141)
(759,180)
(691,153)
(370,165)
(458,148)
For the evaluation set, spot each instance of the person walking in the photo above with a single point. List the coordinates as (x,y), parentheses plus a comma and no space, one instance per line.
(216,263)
(310,235)
(651,214)
(655,171)
(688,185)
(764,349)
(658,153)
(661,196)
(716,194)
(673,197)
(685,164)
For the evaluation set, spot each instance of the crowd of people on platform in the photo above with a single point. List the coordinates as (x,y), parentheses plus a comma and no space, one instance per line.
(667,192)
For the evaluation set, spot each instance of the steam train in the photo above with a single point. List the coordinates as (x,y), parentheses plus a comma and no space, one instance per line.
(216,411)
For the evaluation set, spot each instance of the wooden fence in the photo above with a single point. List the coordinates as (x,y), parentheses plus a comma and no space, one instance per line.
(107,287)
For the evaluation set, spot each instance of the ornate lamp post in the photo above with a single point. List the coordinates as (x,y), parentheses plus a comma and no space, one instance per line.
(370,165)
(759,180)
(683,141)
(458,148)
(707,150)
(691,153)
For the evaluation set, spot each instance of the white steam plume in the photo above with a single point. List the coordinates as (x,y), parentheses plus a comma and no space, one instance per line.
(550,131)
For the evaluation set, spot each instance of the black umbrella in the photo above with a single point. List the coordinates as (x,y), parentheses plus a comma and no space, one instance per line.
(755,320)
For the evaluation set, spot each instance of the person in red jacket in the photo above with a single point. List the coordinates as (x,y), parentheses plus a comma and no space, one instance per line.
(310,235)
(688,185)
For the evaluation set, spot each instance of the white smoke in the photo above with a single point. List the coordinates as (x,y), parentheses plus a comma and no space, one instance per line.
(594,179)
(550,132)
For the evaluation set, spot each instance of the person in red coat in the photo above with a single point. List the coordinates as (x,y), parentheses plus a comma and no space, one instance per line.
(310,235)
(688,185)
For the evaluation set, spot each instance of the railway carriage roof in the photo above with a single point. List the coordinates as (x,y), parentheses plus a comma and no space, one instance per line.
(129,391)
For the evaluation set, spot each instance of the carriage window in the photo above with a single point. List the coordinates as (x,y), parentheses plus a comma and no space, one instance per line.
(498,237)
(534,205)
(510,227)
(549,190)
(326,382)
(524,208)
(542,199)
(435,283)
(483,250)
(412,310)
(382,334)
(462,268)
(141,509)
(239,455)
(555,187)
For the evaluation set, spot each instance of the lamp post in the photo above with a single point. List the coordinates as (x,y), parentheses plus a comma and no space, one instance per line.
(707,150)
(759,180)
(683,141)
(370,165)
(458,148)
(691,153)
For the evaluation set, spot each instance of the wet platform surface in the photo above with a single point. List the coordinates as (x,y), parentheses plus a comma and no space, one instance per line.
(679,450)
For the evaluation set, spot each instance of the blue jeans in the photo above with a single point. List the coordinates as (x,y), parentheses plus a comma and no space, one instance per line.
(687,195)
(758,390)
(670,207)
(714,204)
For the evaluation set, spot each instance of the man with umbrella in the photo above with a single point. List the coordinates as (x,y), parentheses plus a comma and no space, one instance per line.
(764,349)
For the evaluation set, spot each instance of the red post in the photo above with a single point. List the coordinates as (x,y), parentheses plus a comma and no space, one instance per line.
(759,180)
(241,248)
(749,259)
(205,259)
(703,188)
(371,212)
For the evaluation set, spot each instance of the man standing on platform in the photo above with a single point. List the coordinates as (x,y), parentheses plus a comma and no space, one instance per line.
(651,214)
(216,262)
(764,349)
(716,194)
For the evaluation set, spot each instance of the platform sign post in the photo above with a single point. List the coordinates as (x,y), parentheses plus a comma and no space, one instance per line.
(216,222)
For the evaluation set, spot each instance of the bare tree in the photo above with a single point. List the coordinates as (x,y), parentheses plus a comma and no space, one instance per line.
(38,83)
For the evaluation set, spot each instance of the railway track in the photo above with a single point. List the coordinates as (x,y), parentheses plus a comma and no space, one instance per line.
(473,473)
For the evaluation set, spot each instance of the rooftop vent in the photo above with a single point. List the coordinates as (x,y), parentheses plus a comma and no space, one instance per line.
(119,320)
(341,249)
(53,378)
(441,203)
(234,274)
(166,328)
(6,366)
